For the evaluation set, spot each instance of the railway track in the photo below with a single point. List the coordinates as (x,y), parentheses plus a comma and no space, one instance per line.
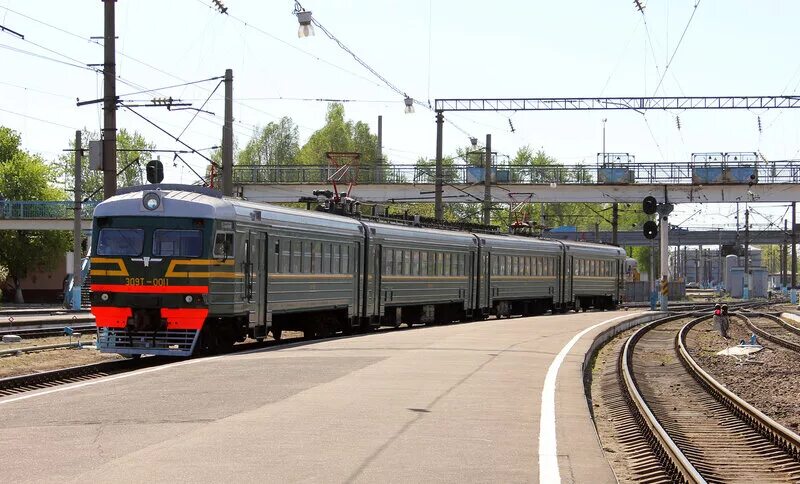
(48,379)
(675,423)
(773,328)
(43,332)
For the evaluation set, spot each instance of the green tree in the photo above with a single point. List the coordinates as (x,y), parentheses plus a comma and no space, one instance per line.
(276,144)
(23,177)
(130,163)
(340,135)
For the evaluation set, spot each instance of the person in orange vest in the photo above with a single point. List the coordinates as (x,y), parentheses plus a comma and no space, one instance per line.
(718,319)
(725,321)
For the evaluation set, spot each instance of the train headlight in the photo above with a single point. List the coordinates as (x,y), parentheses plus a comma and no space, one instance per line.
(188,299)
(104,297)
(151,201)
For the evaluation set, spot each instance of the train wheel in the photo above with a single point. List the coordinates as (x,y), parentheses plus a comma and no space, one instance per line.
(276,331)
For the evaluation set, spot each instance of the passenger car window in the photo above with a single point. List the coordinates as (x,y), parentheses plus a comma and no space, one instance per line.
(120,242)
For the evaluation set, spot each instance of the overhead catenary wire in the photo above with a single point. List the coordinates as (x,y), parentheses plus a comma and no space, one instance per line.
(119,78)
(672,57)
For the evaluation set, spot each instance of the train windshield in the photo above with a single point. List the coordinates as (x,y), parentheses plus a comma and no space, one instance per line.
(120,242)
(180,243)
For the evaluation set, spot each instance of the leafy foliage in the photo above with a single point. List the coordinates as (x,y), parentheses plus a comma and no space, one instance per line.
(130,163)
(24,176)
(276,144)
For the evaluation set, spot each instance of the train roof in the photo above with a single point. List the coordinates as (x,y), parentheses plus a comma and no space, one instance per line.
(512,241)
(593,249)
(200,202)
(402,231)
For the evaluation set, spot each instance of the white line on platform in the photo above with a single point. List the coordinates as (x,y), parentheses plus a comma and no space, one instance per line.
(548,448)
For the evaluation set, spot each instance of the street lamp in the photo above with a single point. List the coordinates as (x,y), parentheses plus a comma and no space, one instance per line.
(305,29)
(604,140)
(409,105)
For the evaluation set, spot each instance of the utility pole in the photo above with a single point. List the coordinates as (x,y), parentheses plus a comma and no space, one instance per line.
(438,208)
(76,228)
(109,103)
(227,137)
(379,164)
(614,223)
(746,282)
(487,183)
(698,256)
(793,295)
(784,258)
(664,232)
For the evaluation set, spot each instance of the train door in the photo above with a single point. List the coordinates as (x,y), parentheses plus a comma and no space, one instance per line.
(569,272)
(254,276)
(376,259)
(484,281)
(357,288)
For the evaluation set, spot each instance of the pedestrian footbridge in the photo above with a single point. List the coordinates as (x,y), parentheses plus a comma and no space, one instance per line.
(37,215)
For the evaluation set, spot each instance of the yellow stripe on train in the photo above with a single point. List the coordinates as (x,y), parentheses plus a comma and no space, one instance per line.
(121,271)
(171,272)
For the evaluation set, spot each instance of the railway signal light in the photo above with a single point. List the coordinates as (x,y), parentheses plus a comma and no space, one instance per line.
(155,171)
(650,230)
(649,205)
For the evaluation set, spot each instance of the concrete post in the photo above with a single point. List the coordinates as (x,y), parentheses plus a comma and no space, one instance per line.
(227,136)
(379,161)
(487,182)
(793,293)
(109,103)
(746,282)
(438,207)
(664,232)
(77,280)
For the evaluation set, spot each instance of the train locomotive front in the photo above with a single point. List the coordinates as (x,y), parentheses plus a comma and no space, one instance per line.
(156,254)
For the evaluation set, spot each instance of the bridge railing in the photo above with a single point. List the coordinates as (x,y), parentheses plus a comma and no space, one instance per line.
(10,209)
(706,173)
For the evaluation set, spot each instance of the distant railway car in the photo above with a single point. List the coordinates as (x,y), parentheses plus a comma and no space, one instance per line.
(424,275)
(181,269)
(523,274)
(594,275)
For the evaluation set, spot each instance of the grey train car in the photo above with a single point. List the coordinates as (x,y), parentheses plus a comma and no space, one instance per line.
(594,275)
(424,275)
(523,274)
(181,269)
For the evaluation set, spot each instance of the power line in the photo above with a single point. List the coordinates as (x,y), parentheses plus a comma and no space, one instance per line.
(119,78)
(37,119)
(669,63)
(278,39)
(190,83)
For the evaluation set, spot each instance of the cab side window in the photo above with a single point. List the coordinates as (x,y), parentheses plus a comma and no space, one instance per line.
(223,245)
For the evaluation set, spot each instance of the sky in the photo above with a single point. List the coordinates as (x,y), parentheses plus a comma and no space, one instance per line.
(429,49)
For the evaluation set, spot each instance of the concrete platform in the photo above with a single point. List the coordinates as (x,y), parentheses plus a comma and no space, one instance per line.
(457,403)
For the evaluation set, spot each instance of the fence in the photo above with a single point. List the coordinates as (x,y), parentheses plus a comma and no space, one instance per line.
(44,210)
(645,173)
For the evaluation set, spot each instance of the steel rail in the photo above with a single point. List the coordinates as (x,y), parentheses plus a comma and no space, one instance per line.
(769,336)
(667,451)
(761,423)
